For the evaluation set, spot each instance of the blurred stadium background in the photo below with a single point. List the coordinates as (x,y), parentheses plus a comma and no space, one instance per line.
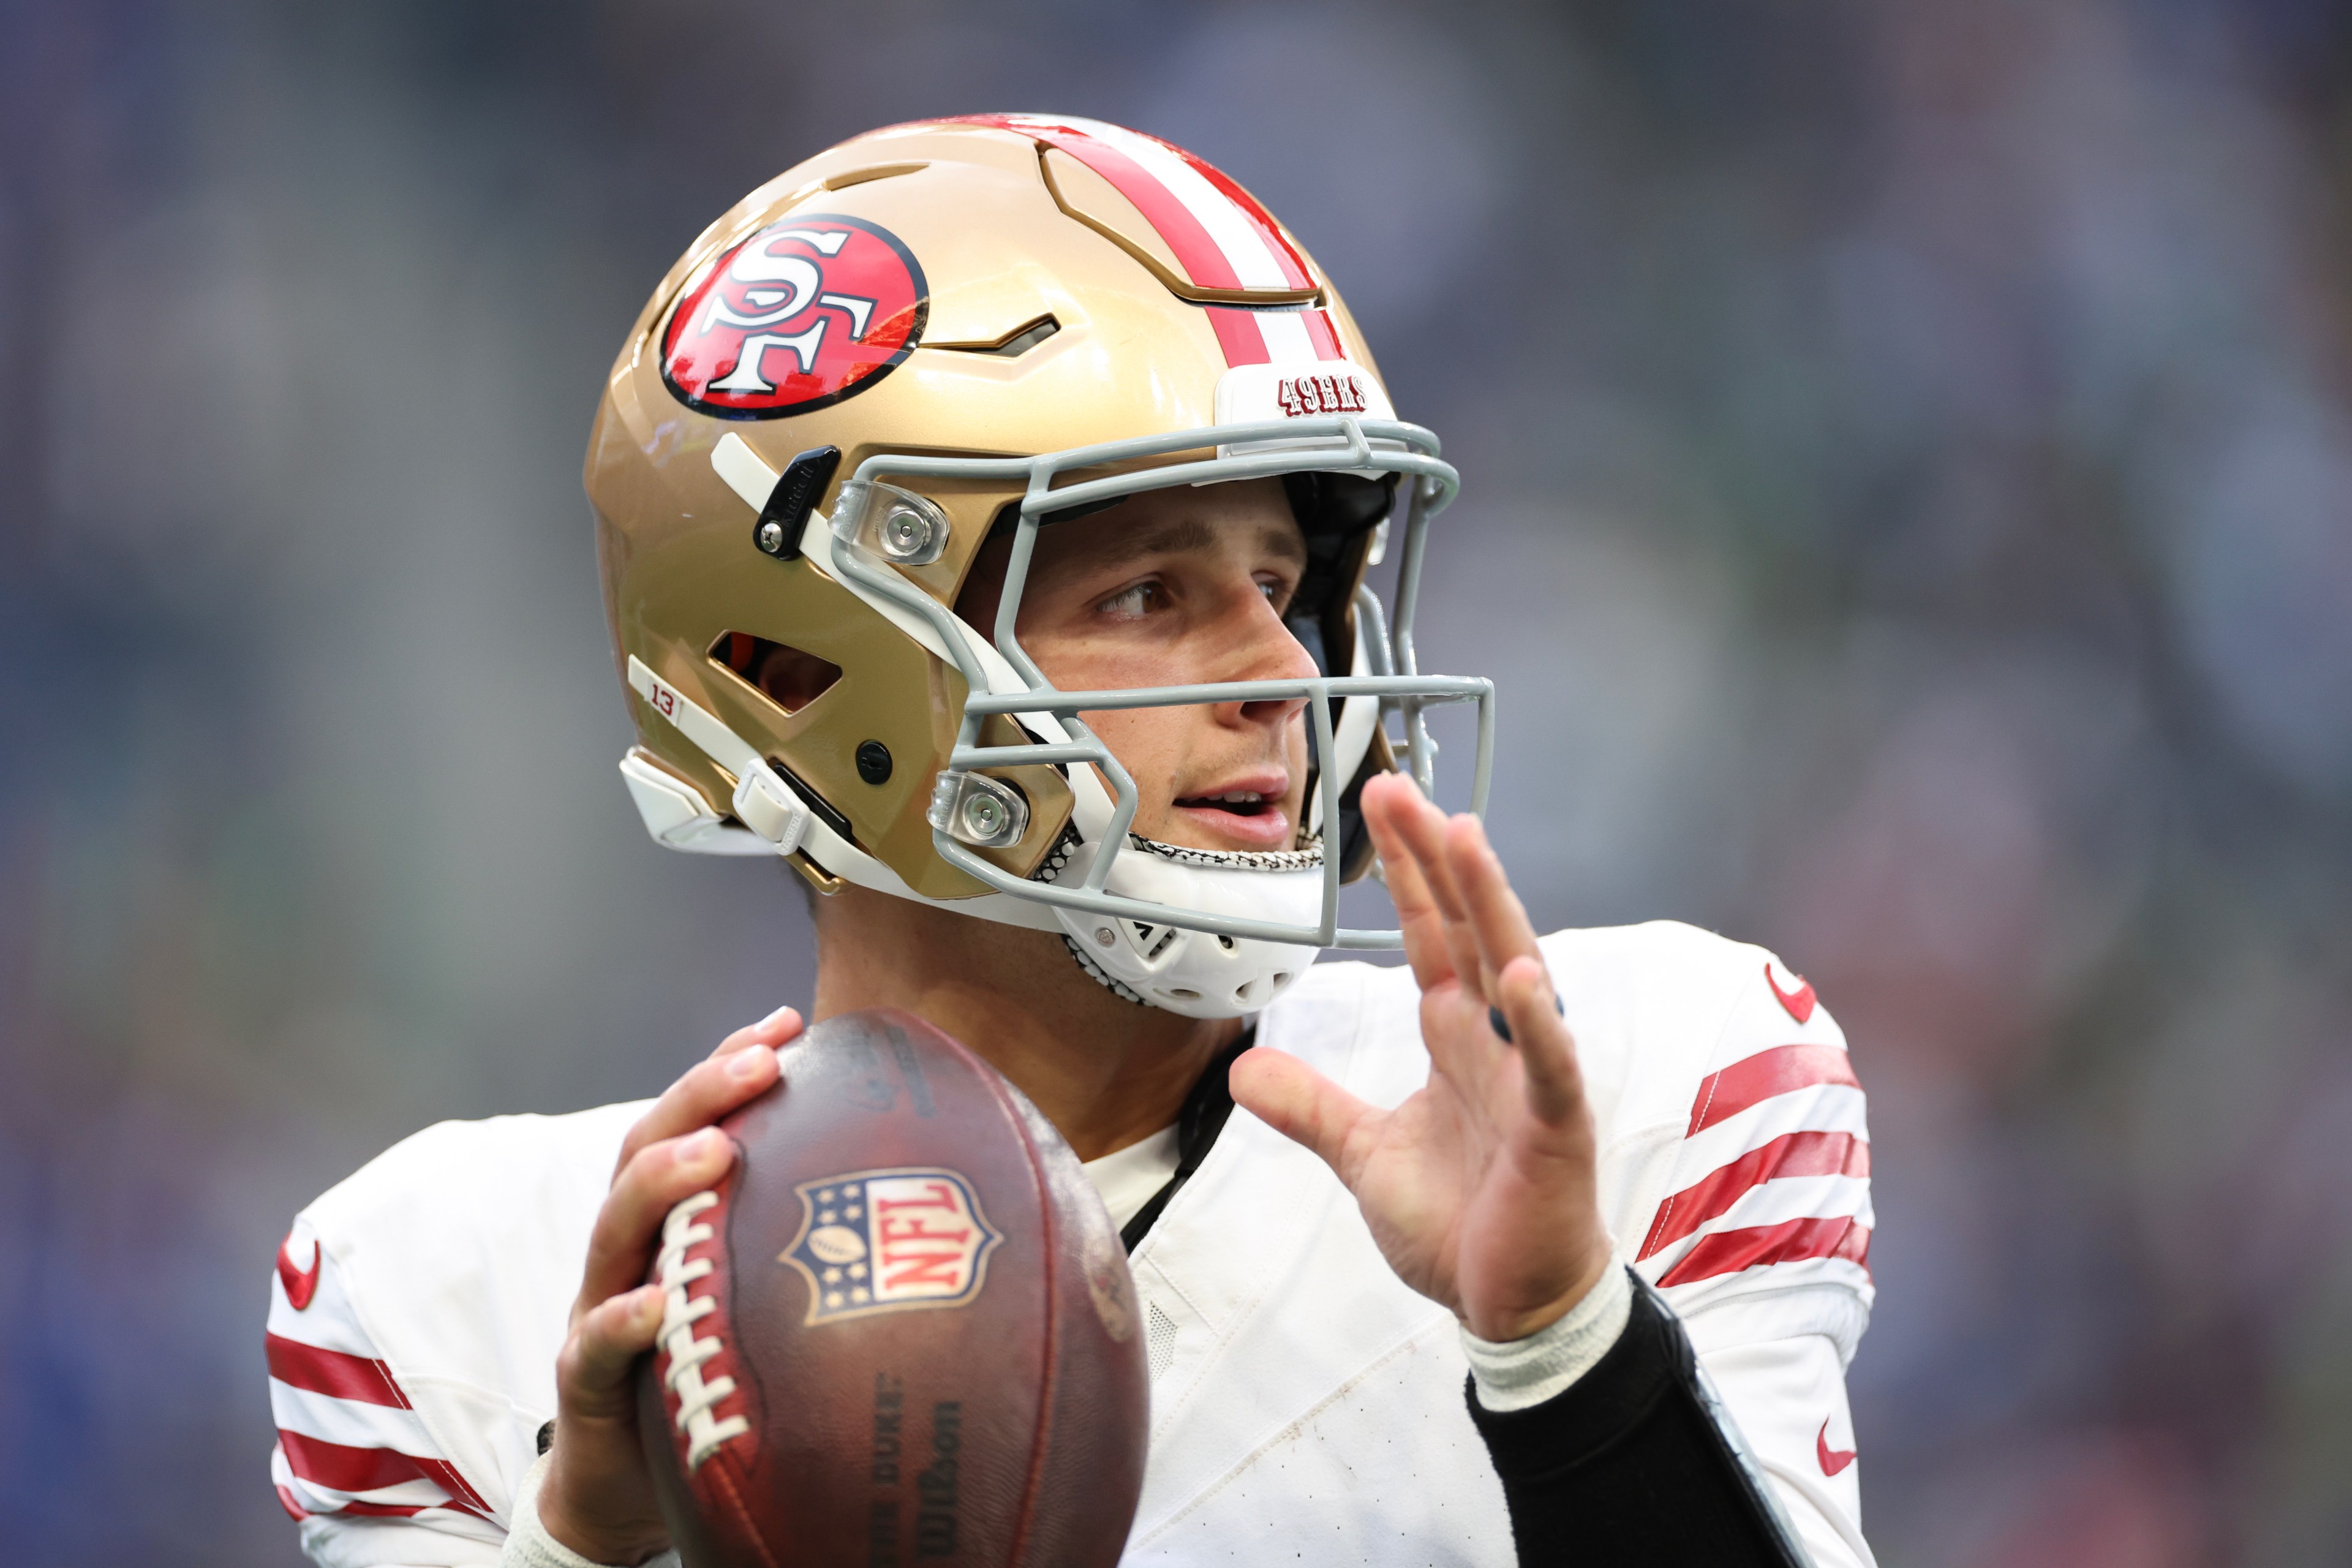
(1908,509)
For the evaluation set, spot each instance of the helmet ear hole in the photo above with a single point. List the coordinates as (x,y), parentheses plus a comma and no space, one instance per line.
(791,677)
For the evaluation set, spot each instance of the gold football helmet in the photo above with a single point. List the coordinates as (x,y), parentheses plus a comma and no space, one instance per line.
(935,330)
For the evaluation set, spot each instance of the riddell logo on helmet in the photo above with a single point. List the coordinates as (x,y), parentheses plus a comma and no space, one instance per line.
(1303,394)
(808,311)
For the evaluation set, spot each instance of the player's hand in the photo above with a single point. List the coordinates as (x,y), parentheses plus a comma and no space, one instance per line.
(596,1497)
(1480,1189)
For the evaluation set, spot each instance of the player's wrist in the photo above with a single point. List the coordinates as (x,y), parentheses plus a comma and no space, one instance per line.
(1505,1325)
(566,1513)
(1526,1370)
(534,1541)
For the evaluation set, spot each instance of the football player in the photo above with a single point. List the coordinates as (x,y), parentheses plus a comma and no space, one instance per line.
(985,508)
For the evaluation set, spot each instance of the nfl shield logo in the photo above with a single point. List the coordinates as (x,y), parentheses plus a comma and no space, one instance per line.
(880,1241)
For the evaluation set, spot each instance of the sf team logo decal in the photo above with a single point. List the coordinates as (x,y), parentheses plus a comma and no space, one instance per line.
(876,1241)
(805,312)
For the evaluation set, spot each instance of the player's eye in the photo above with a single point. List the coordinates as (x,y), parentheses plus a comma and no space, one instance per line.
(1134,602)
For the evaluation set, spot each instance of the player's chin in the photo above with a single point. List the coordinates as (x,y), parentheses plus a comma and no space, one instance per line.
(1268,828)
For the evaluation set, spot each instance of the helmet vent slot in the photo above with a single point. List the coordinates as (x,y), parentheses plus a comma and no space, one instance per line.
(871,172)
(791,677)
(1013,344)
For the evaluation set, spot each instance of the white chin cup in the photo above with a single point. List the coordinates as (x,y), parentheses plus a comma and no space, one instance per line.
(1190,972)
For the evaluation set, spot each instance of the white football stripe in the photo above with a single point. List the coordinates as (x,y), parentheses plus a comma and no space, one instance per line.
(1245,249)
(351,1422)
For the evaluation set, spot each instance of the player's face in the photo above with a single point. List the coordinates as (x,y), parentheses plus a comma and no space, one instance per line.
(1173,587)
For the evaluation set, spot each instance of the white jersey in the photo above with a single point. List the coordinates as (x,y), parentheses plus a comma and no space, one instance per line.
(1305,1403)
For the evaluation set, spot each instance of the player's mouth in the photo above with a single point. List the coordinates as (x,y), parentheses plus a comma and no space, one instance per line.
(1240,813)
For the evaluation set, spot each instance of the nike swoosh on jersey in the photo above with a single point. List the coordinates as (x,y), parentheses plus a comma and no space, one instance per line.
(1832,1459)
(301,1284)
(1799,1002)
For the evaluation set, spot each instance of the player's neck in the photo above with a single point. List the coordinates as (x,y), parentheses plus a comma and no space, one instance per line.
(1105,1071)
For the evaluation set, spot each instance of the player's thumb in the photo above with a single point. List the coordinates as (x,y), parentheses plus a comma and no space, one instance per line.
(1299,1103)
(592,1372)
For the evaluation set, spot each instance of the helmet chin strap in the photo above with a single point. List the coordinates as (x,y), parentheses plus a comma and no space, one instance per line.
(1196,974)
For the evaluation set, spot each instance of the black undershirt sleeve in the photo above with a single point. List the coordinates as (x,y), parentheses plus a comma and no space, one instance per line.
(1630,1465)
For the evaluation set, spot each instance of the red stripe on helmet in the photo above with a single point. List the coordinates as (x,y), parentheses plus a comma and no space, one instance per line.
(1238,335)
(1286,256)
(1200,256)
(1321,333)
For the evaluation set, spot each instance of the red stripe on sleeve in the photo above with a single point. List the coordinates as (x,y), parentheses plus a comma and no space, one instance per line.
(1758,1078)
(341,1467)
(393,1509)
(1238,335)
(1790,1155)
(338,1467)
(460,1494)
(1732,1251)
(333,1373)
(294,1511)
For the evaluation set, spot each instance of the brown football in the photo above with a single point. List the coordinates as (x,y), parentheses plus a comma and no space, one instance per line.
(901,1329)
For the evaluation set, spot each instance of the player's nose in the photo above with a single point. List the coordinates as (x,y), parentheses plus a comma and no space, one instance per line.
(1263,647)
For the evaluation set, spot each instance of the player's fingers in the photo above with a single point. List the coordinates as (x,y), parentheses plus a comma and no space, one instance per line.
(1423,829)
(622,1242)
(1301,1104)
(592,1372)
(1547,1051)
(773,1031)
(1384,797)
(1496,921)
(707,1091)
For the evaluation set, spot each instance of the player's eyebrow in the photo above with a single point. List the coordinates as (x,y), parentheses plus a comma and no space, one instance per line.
(1287,543)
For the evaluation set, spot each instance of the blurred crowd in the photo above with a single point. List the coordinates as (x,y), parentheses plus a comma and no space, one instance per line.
(1907,509)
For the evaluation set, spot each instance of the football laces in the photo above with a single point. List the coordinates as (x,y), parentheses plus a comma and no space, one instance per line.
(696,1395)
